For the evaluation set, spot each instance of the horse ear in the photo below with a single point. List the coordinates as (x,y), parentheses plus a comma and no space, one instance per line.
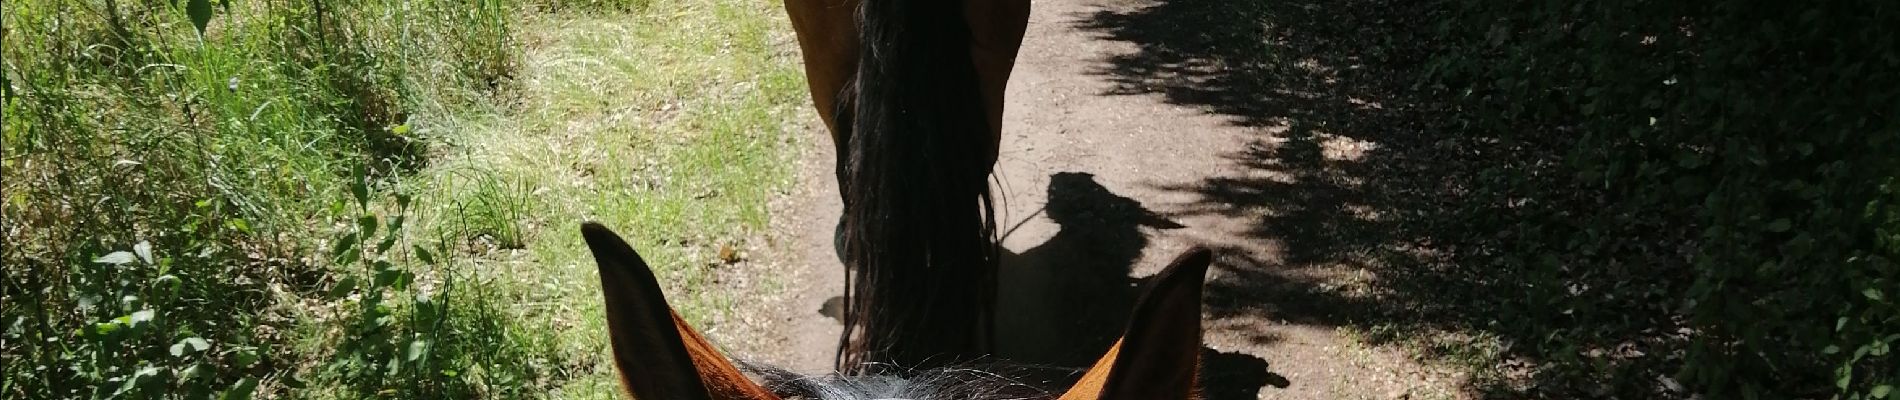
(1158,356)
(659,356)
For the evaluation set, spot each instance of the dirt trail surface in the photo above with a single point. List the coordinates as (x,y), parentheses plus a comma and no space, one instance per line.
(1111,165)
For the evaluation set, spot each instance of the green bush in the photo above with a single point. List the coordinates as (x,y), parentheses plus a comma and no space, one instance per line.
(165,163)
(413,325)
(1725,213)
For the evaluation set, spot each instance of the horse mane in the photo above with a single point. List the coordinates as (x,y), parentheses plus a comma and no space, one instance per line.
(958,382)
(918,234)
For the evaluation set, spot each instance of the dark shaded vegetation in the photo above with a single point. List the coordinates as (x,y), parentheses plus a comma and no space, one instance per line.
(1609,198)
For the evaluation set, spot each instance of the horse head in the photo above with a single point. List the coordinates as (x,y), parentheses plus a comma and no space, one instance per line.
(660,356)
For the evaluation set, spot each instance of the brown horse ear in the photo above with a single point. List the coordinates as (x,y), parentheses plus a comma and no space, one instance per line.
(1158,356)
(658,355)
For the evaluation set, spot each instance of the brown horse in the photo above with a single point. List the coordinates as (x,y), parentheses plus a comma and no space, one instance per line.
(912,92)
(660,356)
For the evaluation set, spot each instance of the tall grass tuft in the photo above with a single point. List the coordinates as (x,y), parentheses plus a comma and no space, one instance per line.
(168,190)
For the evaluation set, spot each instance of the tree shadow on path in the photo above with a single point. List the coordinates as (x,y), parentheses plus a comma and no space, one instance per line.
(1349,173)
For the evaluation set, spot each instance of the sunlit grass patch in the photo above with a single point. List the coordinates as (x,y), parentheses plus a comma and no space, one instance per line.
(188,215)
(673,126)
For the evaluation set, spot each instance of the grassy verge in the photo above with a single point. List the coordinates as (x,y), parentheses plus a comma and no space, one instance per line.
(671,125)
(366,199)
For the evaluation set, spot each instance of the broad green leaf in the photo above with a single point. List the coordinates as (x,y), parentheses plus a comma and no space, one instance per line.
(1780,225)
(344,245)
(343,287)
(1880,392)
(242,390)
(197,343)
(417,349)
(367,225)
(394,279)
(191,372)
(144,251)
(244,358)
(389,241)
(132,382)
(115,258)
(168,281)
(392,233)
(349,258)
(423,254)
(359,187)
(142,317)
(106,328)
(189,345)
(200,13)
(387,278)
(1872,293)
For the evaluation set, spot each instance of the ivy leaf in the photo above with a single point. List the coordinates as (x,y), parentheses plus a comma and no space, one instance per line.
(200,13)
(1880,392)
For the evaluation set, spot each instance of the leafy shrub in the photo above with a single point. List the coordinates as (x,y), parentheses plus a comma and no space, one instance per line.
(1724,216)
(204,139)
(411,336)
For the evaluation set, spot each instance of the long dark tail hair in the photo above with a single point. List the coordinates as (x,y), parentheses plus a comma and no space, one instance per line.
(918,234)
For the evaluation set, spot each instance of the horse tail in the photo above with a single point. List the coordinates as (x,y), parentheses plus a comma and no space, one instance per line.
(918,234)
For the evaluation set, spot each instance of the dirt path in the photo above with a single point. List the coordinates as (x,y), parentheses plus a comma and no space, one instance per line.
(1106,174)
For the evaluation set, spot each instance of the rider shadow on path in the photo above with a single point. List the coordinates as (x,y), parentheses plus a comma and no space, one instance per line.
(1062,303)
(1065,301)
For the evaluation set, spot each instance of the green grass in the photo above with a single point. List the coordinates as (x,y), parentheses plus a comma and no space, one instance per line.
(672,126)
(261,166)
